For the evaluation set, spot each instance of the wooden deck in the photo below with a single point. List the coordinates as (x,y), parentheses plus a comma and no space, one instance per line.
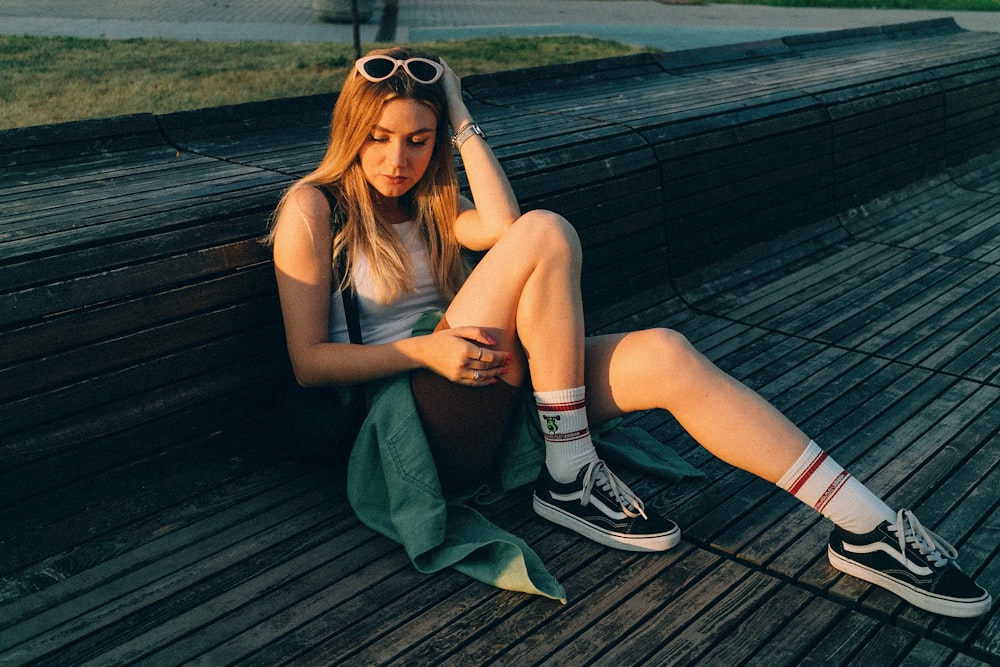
(874,322)
(882,341)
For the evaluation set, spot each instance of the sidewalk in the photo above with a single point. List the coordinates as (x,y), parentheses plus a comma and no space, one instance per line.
(640,22)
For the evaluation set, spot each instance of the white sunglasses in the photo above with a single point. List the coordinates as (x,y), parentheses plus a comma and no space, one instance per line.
(379,68)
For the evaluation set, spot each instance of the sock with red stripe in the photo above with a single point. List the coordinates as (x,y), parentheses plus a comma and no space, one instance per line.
(568,446)
(820,482)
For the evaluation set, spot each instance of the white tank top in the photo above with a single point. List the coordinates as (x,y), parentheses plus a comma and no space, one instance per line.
(386,323)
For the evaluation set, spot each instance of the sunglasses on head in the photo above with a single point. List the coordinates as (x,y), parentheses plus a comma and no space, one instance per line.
(380,68)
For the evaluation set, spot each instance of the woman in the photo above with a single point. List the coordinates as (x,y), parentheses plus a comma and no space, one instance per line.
(517,318)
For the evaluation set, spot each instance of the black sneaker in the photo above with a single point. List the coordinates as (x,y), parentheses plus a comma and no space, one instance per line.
(912,562)
(599,506)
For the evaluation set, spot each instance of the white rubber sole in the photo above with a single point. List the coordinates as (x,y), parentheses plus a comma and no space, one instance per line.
(609,538)
(918,598)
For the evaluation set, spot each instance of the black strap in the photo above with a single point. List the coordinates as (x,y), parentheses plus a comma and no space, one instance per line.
(350,296)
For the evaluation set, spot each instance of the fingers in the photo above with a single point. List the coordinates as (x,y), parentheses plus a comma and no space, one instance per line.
(484,359)
(486,366)
(474,335)
(484,377)
(478,364)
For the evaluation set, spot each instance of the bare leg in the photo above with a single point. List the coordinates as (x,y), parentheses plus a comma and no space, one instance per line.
(526,293)
(658,368)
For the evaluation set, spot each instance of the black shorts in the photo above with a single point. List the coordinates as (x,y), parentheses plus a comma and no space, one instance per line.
(465,426)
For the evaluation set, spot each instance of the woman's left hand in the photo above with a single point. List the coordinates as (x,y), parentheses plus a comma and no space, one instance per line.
(464,355)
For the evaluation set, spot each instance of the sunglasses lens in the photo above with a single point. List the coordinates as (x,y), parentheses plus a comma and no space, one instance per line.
(379,68)
(423,72)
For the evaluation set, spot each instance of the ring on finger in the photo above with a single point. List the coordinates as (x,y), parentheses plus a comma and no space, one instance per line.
(480,357)
(477,376)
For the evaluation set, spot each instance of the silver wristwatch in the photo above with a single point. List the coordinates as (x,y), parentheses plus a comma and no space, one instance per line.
(466,132)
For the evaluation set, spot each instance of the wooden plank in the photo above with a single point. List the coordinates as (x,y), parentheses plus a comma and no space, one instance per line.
(926,652)
(839,645)
(89,439)
(57,333)
(720,640)
(686,616)
(56,143)
(804,630)
(326,618)
(407,613)
(122,534)
(145,584)
(301,564)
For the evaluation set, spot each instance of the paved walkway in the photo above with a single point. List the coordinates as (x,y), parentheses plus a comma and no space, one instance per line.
(641,22)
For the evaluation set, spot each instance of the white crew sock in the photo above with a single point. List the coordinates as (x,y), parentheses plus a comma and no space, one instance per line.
(820,482)
(568,446)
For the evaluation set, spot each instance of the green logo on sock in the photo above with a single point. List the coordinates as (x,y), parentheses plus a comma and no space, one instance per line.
(550,423)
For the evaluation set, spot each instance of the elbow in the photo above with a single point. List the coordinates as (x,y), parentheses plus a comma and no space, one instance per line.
(305,373)
(306,379)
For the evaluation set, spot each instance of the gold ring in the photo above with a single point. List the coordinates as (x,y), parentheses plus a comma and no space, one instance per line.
(480,357)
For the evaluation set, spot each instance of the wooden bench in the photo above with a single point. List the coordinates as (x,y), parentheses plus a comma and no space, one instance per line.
(817,213)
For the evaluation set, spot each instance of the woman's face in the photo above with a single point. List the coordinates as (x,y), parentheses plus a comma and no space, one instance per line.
(398,149)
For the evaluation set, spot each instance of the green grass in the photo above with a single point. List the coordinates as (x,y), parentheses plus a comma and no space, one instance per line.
(49,80)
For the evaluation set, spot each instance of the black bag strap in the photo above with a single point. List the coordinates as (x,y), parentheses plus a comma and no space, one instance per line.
(350,296)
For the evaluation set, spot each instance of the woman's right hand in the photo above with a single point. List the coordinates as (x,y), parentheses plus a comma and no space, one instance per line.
(466,355)
(458,114)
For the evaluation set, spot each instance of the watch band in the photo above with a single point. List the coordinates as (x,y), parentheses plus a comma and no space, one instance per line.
(467,131)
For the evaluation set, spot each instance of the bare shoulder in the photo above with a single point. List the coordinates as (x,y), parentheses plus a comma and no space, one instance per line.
(309,201)
(302,228)
(305,208)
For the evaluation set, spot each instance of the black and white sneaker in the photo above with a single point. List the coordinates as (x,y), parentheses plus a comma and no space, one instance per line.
(599,506)
(912,562)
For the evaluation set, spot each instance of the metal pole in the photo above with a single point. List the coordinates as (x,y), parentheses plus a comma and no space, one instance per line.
(357,29)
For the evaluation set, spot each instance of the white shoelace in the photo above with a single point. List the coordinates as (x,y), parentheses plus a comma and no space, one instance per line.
(930,544)
(598,473)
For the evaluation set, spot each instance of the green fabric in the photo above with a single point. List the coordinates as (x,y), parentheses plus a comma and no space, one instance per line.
(633,447)
(393,487)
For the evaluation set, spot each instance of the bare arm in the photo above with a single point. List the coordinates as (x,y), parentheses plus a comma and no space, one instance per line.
(495,207)
(304,273)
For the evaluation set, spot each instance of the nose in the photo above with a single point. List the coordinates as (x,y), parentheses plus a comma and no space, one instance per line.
(397,154)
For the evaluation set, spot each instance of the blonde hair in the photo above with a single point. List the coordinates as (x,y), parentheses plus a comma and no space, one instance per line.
(433,201)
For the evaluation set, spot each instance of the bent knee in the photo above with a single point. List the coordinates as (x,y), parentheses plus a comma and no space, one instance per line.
(673,349)
(550,231)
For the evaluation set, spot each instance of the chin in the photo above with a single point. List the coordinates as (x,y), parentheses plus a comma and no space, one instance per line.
(394,192)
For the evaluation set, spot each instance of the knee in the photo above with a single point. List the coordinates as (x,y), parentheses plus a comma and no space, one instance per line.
(673,354)
(654,368)
(550,233)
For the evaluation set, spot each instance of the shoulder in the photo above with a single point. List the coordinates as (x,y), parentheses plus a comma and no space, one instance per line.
(304,219)
(305,206)
(309,201)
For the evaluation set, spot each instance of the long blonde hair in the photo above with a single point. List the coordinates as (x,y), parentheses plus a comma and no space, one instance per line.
(433,201)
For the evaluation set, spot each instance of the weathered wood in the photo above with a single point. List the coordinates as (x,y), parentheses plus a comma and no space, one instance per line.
(810,212)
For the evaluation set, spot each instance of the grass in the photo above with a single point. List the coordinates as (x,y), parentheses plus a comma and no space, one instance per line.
(49,80)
